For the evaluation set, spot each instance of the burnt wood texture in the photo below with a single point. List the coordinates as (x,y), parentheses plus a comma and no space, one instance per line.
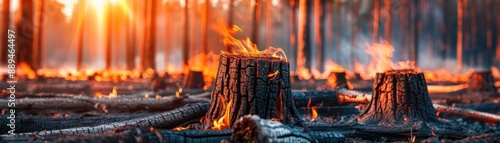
(251,85)
(481,82)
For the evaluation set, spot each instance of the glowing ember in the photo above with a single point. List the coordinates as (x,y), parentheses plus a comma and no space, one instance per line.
(329,67)
(273,75)
(495,72)
(113,93)
(98,94)
(332,81)
(158,96)
(223,122)
(246,47)
(178,93)
(303,73)
(180,128)
(25,69)
(146,95)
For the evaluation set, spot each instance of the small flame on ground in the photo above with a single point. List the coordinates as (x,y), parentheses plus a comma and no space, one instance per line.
(314,114)
(158,96)
(98,94)
(223,122)
(178,93)
(113,93)
(25,69)
(146,95)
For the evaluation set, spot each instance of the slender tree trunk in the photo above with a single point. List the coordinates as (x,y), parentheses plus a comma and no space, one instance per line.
(416,30)
(489,37)
(354,29)
(230,20)
(293,29)
(38,40)
(309,33)
(152,35)
(204,31)
(301,58)
(269,23)
(376,18)
(132,37)
(460,13)
(256,21)
(5,27)
(388,21)
(24,33)
(318,30)
(81,22)
(185,50)
(109,35)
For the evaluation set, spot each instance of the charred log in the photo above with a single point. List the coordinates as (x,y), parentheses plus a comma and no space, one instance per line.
(254,129)
(329,97)
(39,123)
(468,113)
(194,80)
(133,135)
(399,98)
(481,82)
(83,103)
(169,119)
(251,85)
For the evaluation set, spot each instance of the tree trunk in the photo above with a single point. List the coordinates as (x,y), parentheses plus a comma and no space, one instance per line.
(5,27)
(481,82)
(319,28)
(460,13)
(38,42)
(250,85)
(252,128)
(399,98)
(388,21)
(204,31)
(81,22)
(376,20)
(149,52)
(256,22)
(131,36)
(24,33)
(185,49)
(109,36)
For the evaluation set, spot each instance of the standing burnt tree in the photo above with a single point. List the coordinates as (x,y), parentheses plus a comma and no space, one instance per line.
(24,33)
(481,82)
(400,97)
(5,26)
(250,81)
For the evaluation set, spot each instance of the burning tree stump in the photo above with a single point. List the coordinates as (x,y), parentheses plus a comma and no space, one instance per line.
(250,85)
(338,80)
(399,98)
(481,82)
(194,80)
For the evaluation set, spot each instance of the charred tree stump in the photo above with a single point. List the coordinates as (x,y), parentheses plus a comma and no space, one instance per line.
(254,129)
(481,82)
(194,80)
(338,80)
(251,85)
(399,98)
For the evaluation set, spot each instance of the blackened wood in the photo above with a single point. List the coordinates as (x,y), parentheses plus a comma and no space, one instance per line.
(481,82)
(132,135)
(253,85)
(329,97)
(169,119)
(194,80)
(25,123)
(251,128)
(399,98)
(338,80)
(119,104)
(469,113)
(489,137)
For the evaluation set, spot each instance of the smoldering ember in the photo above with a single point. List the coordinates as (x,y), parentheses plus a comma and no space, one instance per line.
(197,71)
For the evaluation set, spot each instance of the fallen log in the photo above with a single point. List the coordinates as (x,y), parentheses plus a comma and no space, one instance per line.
(26,123)
(252,128)
(84,103)
(169,119)
(132,135)
(469,113)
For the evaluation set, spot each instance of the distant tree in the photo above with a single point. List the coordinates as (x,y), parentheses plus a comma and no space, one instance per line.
(5,27)
(24,33)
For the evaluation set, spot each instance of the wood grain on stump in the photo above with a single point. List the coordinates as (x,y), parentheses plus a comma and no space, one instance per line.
(194,80)
(481,82)
(251,85)
(399,98)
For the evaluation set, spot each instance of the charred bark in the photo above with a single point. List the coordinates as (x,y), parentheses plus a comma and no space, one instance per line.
(481,82)
(169,119)
(132,135)
(254,129)
(121,104)
(194,80)
(469,113)
(399,98)
(251,85)
(25,123)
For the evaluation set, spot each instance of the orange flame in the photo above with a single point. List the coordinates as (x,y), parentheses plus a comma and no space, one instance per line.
(246,47)
(25,69)
(180,128)
(314,114)
(273,75)
(329,67)
(381,60)
(113,93)
(223,122)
